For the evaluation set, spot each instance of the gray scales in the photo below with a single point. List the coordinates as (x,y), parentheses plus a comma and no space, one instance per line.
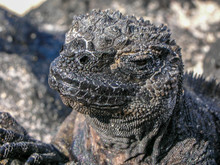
(131,101)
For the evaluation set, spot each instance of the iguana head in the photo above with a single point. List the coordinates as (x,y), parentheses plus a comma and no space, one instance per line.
(118,67)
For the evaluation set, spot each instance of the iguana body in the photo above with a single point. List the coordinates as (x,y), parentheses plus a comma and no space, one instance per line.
(123,78)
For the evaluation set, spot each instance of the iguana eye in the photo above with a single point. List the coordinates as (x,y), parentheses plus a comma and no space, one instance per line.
(141,62)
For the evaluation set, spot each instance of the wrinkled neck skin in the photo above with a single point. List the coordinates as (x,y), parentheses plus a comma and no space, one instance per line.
(133,134)
(108,142)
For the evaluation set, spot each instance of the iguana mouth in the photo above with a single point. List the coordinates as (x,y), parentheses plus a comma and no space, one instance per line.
(94,90)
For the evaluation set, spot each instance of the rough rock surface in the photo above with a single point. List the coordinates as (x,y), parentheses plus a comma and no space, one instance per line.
(25,54)
(212,61)
(27,99)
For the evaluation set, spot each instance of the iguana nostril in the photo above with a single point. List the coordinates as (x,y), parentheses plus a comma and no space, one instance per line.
(84,60)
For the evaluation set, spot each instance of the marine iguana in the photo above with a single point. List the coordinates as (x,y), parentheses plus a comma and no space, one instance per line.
(123,78)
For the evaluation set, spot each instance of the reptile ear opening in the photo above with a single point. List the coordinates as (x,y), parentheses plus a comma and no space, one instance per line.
(84,60)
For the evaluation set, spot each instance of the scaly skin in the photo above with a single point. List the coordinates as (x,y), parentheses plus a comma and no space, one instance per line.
(123,78)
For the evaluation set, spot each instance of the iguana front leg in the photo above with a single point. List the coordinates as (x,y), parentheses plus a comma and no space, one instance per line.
(17,144)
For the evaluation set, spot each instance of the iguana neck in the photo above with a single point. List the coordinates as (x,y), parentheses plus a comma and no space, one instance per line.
(140,142)
(130,140)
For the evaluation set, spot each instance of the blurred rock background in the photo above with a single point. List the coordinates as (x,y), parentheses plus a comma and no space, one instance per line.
(31,38)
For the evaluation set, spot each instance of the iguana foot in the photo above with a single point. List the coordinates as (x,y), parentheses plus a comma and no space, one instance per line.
(32,152)
(16,145)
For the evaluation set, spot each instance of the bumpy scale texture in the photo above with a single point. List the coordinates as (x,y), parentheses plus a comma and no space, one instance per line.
(131,103)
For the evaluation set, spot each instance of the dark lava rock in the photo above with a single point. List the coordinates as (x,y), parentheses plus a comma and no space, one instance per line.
(56,15)
(212,62)
(19,36)
(25,55)
(27,99)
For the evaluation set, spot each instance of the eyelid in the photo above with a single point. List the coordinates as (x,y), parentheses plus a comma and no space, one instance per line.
(140,58)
